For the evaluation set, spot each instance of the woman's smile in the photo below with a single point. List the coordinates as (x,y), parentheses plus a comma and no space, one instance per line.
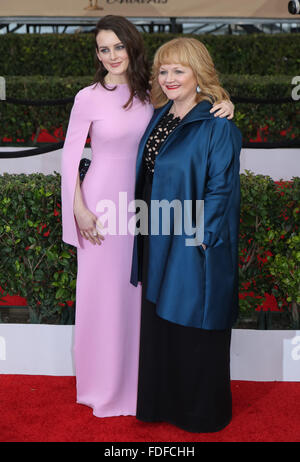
(177,81)
(172,87)
(113,55)
(115,64)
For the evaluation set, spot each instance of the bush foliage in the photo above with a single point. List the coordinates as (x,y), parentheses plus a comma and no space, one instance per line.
(261,122)
(73,54)
(37,265)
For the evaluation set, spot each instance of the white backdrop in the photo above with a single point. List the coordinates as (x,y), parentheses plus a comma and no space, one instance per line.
(277,163)
(38,349)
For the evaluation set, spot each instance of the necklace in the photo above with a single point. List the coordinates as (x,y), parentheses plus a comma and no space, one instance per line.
(182,114)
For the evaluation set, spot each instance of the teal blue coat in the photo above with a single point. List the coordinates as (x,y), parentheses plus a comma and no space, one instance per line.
(199,161)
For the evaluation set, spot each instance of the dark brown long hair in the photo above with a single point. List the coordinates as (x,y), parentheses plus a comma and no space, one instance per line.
(138,71)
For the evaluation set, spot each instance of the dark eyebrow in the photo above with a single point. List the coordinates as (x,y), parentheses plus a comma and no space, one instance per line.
(115,45)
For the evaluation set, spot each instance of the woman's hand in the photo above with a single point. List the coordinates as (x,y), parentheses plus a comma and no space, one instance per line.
(88,225)
(225,109)
(204,246)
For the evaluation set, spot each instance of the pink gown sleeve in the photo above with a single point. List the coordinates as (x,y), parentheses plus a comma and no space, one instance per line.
(78,128)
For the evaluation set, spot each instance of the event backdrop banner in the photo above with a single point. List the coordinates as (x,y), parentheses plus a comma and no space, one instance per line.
(146,8)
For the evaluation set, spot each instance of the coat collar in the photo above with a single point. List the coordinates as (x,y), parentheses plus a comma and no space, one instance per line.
(199,112)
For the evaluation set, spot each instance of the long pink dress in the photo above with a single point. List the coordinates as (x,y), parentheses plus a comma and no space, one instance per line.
(106,347)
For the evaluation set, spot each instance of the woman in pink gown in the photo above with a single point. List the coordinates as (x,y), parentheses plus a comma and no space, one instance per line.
(106,347)
(107,322)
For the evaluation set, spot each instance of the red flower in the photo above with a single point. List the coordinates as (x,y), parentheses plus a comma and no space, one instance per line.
(42,225)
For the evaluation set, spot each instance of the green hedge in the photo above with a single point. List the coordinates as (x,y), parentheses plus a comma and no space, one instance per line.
(64,54)
(19,122)
(37,265)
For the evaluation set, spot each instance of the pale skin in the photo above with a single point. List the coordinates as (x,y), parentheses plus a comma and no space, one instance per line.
(115,59)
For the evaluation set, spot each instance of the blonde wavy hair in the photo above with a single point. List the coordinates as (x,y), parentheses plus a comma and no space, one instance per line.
(191,53)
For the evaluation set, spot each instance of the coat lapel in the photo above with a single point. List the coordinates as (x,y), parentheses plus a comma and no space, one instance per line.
(199,112)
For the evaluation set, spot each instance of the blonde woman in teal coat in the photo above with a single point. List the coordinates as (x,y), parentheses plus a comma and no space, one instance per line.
(190,291)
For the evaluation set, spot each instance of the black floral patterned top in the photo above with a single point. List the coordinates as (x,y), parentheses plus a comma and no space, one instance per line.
(157,137)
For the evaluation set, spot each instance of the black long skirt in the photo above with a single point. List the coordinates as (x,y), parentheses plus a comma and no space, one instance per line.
(184,372)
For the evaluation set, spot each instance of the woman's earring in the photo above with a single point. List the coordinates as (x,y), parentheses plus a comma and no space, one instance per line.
(198,89)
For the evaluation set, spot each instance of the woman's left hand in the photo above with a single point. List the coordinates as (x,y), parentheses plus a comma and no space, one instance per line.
(225,109)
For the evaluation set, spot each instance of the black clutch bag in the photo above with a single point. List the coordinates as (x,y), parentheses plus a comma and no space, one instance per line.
(83,168)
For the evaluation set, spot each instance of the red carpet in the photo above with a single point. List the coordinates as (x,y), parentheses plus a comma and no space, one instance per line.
(43,409)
